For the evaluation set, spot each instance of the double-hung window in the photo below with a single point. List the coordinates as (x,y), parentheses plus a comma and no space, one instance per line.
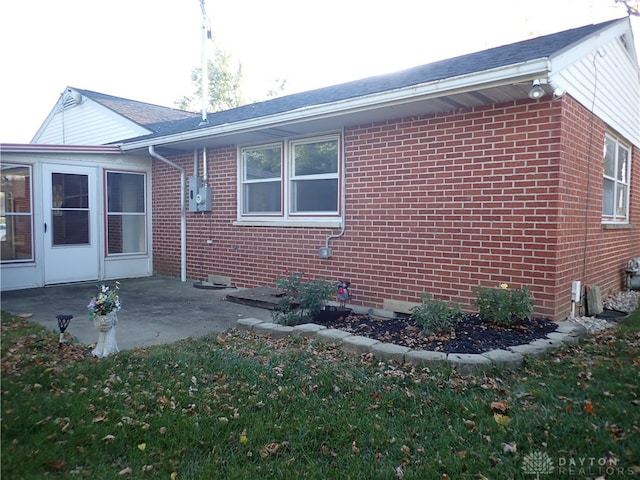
(615,192)
(292,180)
(126,213)
(16,214)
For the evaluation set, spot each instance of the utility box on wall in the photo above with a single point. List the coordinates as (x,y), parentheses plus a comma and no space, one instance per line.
(200,198)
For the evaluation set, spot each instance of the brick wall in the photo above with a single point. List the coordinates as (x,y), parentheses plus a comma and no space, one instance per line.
(440,204)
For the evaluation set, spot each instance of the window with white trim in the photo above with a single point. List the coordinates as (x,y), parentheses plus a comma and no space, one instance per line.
(290,180)
(126,213)
(16,213)
(615,191)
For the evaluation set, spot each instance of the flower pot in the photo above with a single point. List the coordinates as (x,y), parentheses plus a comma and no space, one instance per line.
(105,324)
(330,313)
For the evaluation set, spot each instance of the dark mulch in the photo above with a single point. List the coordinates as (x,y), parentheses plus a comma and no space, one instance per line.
(471,335)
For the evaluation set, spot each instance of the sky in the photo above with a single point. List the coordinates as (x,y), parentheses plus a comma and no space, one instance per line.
(145,50)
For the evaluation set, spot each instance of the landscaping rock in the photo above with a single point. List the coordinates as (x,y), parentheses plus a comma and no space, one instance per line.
(281,331)
(564,337)
(529,349)
(548,343)
(265,327)
(332,334)
(572,328)
(424,357)
(248,323)
(467,363)
(390,351)
(504,358)
(357,344)
(308,330)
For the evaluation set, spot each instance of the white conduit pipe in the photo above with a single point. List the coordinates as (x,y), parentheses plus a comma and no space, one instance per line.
(205,167)
(183,212)
(343,197)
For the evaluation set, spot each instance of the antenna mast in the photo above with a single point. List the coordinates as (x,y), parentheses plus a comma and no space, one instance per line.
(206,35)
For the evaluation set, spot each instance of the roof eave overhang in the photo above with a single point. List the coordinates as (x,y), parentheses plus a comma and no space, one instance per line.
(521,72)
(45,148)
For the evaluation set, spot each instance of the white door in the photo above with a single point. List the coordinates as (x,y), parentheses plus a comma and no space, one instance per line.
(71,233)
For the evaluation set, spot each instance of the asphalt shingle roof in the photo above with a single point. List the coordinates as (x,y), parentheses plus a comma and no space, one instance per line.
(512,54)
(142,113)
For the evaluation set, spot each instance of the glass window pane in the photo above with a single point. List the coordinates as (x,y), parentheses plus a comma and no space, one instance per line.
(610,157)
(262,197)
(126,213)
(70,190)
(608,192)
(16,224)
(315,195)
(70,227)
(125,192)
(126,234)
(261,163)
(623,161)
(621,204)
(316,158)
(16,238)
(16,189)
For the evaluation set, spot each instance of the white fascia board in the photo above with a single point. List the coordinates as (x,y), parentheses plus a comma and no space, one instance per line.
(495,77)
(567,56)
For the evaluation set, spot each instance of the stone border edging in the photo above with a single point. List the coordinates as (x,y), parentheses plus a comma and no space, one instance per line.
(512,357)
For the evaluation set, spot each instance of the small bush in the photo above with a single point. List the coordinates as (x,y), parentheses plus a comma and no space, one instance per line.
(435,315)
(504,306)
(303,297)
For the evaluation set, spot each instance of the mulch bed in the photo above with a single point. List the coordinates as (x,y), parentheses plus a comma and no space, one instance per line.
(471,335)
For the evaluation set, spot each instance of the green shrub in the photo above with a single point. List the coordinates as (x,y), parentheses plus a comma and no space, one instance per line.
(435,315)
(504,306)
(303,296)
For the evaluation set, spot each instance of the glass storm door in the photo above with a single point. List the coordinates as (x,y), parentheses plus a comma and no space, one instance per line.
(70,224)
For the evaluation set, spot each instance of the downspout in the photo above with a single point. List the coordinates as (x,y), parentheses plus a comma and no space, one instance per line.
(343,195)
(183,212)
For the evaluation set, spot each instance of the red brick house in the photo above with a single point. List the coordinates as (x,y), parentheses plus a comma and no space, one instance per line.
(518,164)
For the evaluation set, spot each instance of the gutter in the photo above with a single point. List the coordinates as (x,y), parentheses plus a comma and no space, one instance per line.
(525,71)
(183,212)
(46,148)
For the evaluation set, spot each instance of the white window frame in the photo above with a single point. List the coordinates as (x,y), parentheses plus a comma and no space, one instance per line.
(617,218)
(287,216)
(29,215)
(108,214)
(244,182)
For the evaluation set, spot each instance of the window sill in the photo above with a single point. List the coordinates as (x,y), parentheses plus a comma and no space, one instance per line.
(289,223)
(618,226)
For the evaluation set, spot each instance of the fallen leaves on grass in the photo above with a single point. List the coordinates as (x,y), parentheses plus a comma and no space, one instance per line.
(274,448)
(41,351)
(502,420)
(500,406)
(125,471)
(510,447)
(589,408)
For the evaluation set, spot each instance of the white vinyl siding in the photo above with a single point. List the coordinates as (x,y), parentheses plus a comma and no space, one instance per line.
(606,80)
(86,124)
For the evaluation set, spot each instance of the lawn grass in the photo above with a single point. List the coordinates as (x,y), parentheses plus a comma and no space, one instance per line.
(240,406)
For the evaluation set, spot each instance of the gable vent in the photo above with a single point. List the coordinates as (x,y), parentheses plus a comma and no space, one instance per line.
(624,40)
(70,99)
